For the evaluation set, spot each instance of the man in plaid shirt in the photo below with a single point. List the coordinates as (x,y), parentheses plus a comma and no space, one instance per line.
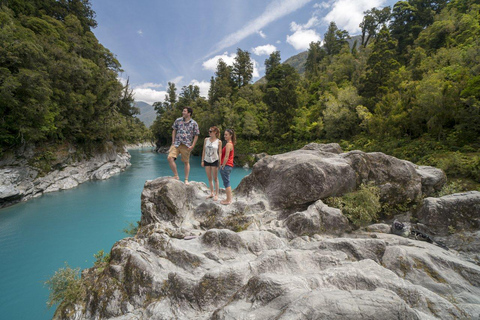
(184,137)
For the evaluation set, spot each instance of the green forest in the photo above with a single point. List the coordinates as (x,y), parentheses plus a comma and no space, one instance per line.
(408,86)
(58,84)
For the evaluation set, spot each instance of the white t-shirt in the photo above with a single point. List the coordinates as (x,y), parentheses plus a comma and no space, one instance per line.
(211,151)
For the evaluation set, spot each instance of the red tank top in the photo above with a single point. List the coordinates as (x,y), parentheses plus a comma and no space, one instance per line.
(230,156)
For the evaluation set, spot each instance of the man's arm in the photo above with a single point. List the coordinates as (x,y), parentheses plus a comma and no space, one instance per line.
(193,144)
(174,133)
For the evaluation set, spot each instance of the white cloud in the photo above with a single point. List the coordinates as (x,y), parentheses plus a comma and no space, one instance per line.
(348,14)
(264,50)
(323,5)
(275,10)
(149,85)
(261,34)
(301,39)
(140,32)
(122,80)
(278,41)
(148,95)
(303,34)
(311,23)
(256,67)
(176,80)
(203,85)
(211,64)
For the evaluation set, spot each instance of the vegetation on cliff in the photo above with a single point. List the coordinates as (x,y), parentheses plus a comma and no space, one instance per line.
(58,84)
(409,86)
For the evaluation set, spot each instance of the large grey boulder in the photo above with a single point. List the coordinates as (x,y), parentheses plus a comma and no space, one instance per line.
(455,212)
(299,177)
(397,179)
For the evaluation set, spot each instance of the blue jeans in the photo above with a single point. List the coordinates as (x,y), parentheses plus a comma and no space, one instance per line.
(225,173)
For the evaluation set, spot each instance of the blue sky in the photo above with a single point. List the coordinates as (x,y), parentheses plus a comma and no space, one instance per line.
(180,41)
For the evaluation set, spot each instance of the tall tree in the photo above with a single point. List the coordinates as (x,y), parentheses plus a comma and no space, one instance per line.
(373,20)
(188,96)
(380,64)
(281,96)
(126,104)
(410,17)
(222,85)
(242,68)
(315,55)
(335,39)
(272,61)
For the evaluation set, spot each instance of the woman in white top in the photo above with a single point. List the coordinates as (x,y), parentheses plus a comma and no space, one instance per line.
(212,146)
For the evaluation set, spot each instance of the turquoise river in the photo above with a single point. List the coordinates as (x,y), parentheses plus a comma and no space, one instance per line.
(37,237)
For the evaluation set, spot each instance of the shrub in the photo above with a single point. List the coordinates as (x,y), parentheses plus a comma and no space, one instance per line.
(132,228)
(361,207)
(101,260)
(65,286)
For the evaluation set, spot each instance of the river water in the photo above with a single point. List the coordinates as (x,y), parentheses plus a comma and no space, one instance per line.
(37,237)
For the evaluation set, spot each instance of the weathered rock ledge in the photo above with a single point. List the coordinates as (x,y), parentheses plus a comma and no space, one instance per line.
(21,182)
(278,252)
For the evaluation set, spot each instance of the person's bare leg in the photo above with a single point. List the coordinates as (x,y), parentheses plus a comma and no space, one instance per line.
(173,166)
(209,170)
(229,196)
(187,172)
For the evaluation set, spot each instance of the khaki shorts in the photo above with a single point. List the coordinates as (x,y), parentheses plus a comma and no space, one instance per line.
(181,149)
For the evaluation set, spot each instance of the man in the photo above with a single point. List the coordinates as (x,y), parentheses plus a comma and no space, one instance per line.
(184,137)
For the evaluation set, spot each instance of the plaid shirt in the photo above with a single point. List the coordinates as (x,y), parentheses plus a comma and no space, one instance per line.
(186,131)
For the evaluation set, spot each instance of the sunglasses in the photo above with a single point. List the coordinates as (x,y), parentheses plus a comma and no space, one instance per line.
(210,130)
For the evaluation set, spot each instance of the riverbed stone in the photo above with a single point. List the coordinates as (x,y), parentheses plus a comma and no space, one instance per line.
(451,213)
(433,179)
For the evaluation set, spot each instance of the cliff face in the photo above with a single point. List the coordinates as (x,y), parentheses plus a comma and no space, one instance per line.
(278,252)
(19,181)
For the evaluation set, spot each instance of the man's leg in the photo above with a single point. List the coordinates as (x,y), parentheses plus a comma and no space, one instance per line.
(186,160)
(187,171)
(172,155)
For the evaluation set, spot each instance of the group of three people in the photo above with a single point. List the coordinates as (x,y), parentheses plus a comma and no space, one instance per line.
(184,137)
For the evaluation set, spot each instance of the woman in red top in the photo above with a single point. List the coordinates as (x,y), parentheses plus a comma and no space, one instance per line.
(227,163)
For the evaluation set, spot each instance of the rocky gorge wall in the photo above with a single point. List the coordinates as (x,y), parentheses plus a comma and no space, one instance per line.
(20,181)
(279,252)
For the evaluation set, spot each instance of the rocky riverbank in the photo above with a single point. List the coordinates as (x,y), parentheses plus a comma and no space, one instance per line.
(140,145)
(21,182)
(279,252)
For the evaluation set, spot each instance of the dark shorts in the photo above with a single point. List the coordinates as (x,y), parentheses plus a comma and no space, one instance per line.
(225,173)
(212,164)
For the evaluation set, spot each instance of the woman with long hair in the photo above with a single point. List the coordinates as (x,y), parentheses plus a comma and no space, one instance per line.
(227,163)
(210,159)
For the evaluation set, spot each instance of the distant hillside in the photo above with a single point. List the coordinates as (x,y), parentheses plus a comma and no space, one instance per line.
(147,113)
(298,61)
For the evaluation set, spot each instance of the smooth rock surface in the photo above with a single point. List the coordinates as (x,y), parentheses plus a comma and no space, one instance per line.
(263,257)
(455,212)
